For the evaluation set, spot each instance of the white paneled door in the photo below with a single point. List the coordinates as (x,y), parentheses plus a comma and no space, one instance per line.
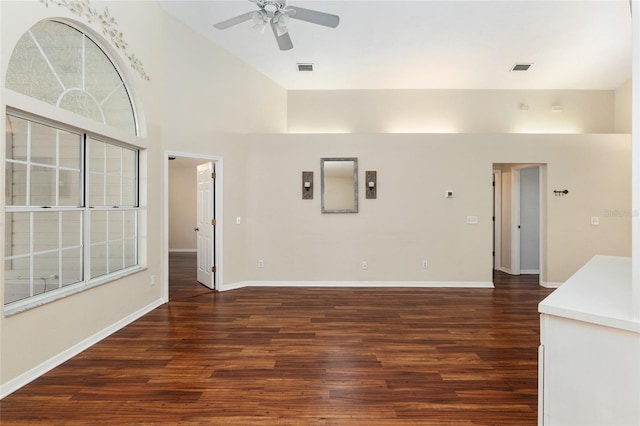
(206,225)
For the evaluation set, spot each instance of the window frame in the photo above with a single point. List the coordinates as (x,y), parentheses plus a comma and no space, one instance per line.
(86,281)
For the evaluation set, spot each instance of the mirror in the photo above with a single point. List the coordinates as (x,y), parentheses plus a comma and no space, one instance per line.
(339,185)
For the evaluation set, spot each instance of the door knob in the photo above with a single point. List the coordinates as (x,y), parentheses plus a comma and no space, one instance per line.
(196,229)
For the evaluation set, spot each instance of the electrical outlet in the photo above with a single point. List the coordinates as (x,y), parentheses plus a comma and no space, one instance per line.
(595,220)
(260,263)
(425,264)
(153,280)
(365,265)
(238,220)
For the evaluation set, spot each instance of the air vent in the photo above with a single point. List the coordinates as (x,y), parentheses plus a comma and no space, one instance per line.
(521,67)
(305,67)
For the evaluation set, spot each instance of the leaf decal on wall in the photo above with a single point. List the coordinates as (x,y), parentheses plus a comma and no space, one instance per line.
(84,9)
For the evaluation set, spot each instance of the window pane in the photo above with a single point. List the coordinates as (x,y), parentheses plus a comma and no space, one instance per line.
(116,262)
(59,65)
(71,229)
(118,111)
(98,227)
(114,159)
(71,266)
(46,231)
(130,254)
(96,190)
(62,46)
(17,234)
(43,144)
(45,272)
(15,193)
(113,190)
(98,260)
(129,163)
(17,279)
(96,156)
(28,72)
(82,104)
(16,138)
(43,186)
(130,223)
(129,192)
(116,223)
(69,150)
(69,189)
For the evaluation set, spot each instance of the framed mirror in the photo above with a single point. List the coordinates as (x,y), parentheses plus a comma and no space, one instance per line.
(339,178)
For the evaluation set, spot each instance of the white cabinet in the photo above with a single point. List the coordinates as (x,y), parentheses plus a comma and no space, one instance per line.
(590,349)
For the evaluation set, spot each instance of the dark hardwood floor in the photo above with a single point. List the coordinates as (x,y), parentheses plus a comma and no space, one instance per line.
(305,356)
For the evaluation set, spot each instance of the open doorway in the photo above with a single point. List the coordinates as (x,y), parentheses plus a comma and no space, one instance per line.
(519,218)
(193,212)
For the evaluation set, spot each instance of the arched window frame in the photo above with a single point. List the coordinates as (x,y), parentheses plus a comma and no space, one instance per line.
(23,107)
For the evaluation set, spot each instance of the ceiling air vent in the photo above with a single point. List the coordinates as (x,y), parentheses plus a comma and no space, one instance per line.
(305,67)
(521,67)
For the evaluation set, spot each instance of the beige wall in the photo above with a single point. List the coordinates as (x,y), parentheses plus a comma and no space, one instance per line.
(212,102)
(201,100)
(623,108)
(182,208)
(215,102)
(412,220)
(450,111)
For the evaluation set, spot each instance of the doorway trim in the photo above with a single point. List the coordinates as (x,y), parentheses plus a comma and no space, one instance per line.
(497,219)
(515,217)
(218,242)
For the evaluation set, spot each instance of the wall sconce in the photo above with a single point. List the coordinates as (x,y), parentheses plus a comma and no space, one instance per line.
(371,182)
(560,193)
(307,185)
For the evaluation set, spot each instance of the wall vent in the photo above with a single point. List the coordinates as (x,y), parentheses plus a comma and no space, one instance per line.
(305,67)
(521,67)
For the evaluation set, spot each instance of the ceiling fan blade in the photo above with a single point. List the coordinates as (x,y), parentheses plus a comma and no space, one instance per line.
(234,21)
(314,16)
(284,40)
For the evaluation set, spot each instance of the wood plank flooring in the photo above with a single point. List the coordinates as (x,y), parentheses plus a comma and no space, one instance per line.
(304,356)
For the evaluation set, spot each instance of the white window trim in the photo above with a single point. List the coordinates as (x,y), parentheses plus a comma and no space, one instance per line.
(126,141)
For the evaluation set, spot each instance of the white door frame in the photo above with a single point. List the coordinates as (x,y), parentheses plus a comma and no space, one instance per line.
(497,219)
(218,161)
(205,226)
(515,217)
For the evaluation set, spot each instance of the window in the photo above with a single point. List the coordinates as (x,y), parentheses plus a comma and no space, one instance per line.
(59,231)
(55,63)
(71,196)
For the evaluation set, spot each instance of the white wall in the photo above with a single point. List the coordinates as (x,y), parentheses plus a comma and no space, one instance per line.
(450,111)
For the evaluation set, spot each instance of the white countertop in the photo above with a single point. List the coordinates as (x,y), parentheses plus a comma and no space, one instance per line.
(599,293)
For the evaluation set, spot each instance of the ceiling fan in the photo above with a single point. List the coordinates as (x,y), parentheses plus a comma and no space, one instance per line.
(276,13)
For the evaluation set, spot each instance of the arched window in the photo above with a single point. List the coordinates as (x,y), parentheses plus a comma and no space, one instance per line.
(58,64)
(71,196)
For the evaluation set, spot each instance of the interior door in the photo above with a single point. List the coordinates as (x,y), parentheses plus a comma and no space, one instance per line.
(206,224)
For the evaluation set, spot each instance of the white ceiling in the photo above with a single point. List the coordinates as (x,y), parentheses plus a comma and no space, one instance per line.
(428,44)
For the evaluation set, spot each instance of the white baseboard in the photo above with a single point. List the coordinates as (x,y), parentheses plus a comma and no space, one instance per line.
(550,285)
(183,251)
(362,284)
(529,271)
(25,378)
(505,270)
